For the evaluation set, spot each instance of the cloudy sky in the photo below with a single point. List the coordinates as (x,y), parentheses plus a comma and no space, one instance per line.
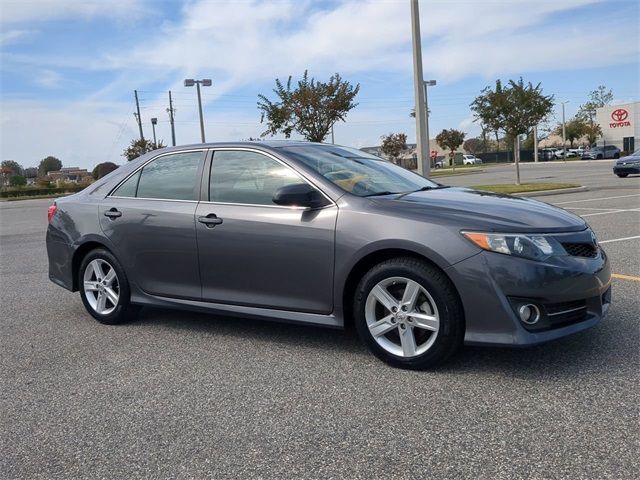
(69,67)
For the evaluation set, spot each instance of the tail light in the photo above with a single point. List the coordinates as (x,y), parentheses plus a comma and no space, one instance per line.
(51,211)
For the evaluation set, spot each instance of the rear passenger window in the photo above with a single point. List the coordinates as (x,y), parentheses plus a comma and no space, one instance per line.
(171,177)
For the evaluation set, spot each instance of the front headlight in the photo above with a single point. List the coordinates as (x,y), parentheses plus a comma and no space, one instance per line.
(534,247)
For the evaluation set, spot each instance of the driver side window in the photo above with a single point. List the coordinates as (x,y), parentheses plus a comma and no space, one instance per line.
(247,177)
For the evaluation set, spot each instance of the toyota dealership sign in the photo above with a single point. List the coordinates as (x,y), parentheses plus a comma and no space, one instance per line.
(620,117)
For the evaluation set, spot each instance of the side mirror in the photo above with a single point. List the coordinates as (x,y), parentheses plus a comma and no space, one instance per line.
(299,195)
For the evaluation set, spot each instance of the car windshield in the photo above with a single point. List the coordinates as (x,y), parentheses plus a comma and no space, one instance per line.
(358,172)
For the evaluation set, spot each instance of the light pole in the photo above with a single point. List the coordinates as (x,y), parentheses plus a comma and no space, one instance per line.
(206,82)
(427,83)
(564,141)
(422,142)
(154,122)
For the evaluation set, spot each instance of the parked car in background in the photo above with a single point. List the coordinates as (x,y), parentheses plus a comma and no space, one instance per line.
(597,153)
(559,153)
(438,164)
(546,154)
(470,160)
(628,165)
(577,151)
(327,235)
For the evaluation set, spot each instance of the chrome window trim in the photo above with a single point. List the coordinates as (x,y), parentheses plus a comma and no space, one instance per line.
(156,199)
(191,150)
(302,177)
(264,206)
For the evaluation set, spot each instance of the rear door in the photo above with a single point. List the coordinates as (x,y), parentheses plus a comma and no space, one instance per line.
(149,218)
(258,253)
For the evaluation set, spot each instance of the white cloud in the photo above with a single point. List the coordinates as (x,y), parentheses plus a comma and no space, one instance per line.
(17,11)
(14,36)
(47,78)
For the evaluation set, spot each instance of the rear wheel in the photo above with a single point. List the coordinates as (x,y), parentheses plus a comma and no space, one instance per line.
(616,155)
(622,175)
(104,288)
(408,313)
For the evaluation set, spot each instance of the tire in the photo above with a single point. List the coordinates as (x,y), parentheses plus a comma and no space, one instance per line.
(95,283)
(616,155)
(599,157)
(622,175)
(437,333)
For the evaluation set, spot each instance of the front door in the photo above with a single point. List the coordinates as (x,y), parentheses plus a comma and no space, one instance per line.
(256,253)
(150,220)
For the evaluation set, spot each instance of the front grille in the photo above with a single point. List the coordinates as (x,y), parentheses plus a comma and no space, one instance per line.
(581,249)
(556,308)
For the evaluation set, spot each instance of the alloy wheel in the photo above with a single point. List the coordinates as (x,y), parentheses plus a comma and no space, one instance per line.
(101,286)
(402,317)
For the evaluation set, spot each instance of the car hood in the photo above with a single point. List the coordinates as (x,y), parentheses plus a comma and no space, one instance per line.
(484,211)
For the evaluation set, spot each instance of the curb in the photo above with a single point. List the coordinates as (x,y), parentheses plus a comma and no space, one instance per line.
(455,174)
(558,191)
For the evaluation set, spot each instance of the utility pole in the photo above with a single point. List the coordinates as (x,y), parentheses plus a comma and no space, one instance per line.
(422,151)
(138,117)
(332,137)
(535,143)
(171,120)
(564,141)
(206,82)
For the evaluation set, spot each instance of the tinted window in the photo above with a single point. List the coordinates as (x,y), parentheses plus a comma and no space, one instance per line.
(173,177)
(128,188)
(356,171)
(247,177)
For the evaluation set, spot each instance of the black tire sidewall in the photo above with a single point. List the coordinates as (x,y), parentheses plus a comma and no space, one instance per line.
(122,310)
(443,293)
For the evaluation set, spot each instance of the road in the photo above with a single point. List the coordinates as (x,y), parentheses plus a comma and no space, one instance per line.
(186,395)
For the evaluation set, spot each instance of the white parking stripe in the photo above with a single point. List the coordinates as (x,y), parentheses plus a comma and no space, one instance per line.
(619,239)
(598,199)
(597,209)
(612,211)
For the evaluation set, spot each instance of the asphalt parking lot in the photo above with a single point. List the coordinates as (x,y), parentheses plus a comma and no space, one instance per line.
(184,395)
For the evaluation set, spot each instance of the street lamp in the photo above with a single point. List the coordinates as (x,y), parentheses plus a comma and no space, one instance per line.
(564,141)
(427,83)
(154,122)
(206,82)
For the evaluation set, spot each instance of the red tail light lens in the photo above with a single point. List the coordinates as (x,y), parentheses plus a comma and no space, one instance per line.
(51,211)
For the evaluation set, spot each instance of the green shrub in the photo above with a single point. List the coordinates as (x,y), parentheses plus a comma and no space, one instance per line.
(34,192)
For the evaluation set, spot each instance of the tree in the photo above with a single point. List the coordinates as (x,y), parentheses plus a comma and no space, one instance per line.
(393,145)
(574,130)
(473,145)
(311,109)
(103,169)
(15,167)
(140,147)
(31,172)
(450,140)
(49,164)
(514,110)
(598,98)
(17,181)
(592,131)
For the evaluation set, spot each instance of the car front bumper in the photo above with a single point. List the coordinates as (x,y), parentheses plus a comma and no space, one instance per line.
(572,293)
(629,169)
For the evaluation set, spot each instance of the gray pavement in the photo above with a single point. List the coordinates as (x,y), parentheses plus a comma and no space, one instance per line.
(184,395)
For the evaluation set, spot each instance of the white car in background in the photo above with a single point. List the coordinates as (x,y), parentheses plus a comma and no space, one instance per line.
(559,153)
(470,160)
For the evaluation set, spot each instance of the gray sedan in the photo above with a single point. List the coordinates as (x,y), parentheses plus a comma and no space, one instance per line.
(328,235)
(627,165)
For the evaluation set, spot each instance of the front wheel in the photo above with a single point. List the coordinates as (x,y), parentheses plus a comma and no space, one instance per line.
(622,175)
(408,313)
(104,288)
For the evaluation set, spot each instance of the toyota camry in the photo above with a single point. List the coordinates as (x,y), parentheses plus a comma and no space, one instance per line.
(328,235)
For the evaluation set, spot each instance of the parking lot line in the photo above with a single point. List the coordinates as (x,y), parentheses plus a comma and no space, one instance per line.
(619,239)
(626,277)
(621,210)
(597,199)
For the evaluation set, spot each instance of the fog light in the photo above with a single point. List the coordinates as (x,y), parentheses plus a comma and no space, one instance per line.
(529,313)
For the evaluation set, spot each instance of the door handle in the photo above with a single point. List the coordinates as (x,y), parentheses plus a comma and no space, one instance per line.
(113,213)
(210,220)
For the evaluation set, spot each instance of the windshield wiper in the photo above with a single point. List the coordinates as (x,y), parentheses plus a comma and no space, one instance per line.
(381,193)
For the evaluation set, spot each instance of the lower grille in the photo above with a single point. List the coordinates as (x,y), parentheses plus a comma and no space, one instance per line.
(566,313)
(581,249)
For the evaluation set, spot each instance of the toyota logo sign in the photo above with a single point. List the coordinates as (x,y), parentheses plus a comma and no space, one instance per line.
(619,115)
